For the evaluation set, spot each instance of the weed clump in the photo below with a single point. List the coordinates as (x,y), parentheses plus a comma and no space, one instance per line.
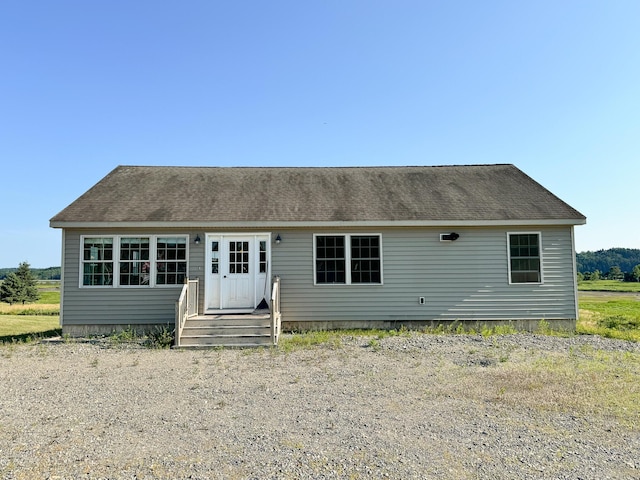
(162,336)
(619,322)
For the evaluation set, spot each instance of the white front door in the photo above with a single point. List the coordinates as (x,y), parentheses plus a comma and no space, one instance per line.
(237,271)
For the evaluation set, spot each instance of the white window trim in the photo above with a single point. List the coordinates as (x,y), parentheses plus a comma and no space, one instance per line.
(117,263)
(153,245)
(83,261)
(541,282)
(347,258)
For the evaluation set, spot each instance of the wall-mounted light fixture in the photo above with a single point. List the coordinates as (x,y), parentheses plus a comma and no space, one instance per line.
(197,240)
(278,238)
(449,237)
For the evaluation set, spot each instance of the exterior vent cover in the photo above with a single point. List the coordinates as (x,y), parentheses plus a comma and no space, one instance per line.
(449,237)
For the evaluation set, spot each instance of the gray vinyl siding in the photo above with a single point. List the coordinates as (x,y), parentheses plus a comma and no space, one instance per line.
(465,280)
(119,305)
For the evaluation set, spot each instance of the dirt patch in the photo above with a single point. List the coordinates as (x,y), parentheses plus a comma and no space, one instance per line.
(599,294)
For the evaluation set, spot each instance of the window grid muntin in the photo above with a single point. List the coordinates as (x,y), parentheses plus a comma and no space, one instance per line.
(525,263)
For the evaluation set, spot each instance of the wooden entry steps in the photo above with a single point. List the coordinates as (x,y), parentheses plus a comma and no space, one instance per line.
(232,330)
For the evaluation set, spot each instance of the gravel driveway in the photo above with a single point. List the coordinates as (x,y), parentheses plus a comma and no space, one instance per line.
(401,407)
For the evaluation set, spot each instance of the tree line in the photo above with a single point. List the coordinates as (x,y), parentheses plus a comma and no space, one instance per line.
(612,264)
(51,273)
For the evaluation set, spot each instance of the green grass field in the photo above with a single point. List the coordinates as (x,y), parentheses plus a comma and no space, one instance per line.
(30,321)
(28,327)
(608,286)
(48,297)
(612,316)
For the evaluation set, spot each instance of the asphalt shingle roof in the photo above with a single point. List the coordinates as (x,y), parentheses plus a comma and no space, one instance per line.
(206,195)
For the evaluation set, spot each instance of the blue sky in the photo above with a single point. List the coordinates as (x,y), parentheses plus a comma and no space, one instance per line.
(550,86)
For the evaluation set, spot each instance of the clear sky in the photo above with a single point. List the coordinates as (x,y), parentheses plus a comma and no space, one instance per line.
(550,86)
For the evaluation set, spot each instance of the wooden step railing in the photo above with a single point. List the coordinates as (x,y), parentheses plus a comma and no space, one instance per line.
(276,318)
(186,306)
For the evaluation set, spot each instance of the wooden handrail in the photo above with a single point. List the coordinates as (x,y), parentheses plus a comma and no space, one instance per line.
(192,297)
(186,306)
(276,317)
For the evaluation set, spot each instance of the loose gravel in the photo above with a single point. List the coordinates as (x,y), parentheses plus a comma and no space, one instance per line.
(365,407)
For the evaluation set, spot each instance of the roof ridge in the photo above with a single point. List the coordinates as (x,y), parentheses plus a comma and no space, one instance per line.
(364,167)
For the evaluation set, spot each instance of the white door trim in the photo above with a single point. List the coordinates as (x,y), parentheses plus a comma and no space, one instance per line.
(214,288)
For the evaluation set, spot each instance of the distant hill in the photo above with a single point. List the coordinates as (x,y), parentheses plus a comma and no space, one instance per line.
(51,273)
(603,260)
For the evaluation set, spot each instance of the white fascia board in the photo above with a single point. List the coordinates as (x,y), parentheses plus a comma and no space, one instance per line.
(296,224)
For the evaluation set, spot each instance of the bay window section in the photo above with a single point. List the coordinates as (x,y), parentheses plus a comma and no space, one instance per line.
(347,259)
(133,261)
(97,261)
(171,260)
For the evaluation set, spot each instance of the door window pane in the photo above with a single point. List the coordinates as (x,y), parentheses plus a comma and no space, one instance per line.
(263,256)
(238,257)
(215,257)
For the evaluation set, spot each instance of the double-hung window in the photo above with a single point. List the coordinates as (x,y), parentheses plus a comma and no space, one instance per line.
(347,259)
(524,258)
(330,259)
(97,261)
(171,260)
(134,261)
(140,261)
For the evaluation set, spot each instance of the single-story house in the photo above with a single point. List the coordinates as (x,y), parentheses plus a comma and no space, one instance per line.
(346,247)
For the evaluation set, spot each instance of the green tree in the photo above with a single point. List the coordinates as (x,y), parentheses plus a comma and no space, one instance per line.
(595,275)
(615,273)
(11,289)
(635,273)
(20,286)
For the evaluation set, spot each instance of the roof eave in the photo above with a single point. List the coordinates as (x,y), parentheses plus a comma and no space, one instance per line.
(307,224)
